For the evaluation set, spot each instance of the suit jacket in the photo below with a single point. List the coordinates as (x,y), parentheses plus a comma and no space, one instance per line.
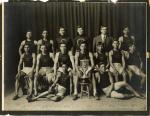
(107,44)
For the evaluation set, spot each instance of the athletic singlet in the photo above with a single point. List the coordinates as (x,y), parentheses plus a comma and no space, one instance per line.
(65,59)
(117,56)
(46,61)
(83,56)
(78,42)
(125,43)
(48,45)
(104,80)
(133,59)
(31,45)
(63,80)
(101,58)
(28,60)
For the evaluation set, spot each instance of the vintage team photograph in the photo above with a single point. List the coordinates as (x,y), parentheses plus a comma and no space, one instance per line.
(74,56)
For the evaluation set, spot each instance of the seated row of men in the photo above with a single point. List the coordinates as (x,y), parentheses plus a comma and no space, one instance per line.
(99,68)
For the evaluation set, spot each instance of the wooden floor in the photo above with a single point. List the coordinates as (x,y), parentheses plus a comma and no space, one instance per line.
(67,104)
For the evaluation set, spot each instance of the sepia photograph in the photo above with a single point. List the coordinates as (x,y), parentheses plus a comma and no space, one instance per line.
(78,55)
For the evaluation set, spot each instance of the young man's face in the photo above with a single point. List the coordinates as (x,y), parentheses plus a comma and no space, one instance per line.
(99,48)
(126,30)
(103,30)
(132,48)
(26,48)
(115,44)
(61,31)
(63,48)
(102,68)
(80,31)
(83,47)
(64,67)
(44,34)
(28,34)
(43,49)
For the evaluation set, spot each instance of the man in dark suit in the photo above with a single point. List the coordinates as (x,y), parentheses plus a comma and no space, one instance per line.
(104,39)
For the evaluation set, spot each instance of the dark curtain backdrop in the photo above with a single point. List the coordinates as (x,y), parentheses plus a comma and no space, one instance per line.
(36,16)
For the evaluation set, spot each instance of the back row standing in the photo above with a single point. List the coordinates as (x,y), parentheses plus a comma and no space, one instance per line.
(73,45)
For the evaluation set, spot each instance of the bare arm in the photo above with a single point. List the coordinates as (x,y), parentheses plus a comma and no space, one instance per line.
(21,47)
(55,63)
(110,60)
(120,41)
(72,60)
(34,61)
(38,63)
(141,63)
(20,63)
(52,56)
(76,61)
(123,60)
(91,59)
(52,42)
(38,46)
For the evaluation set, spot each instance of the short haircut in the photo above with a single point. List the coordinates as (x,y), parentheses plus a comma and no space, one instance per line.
(125,27)
(103,26)
(83,42)
(61,28)
(63,42)
(79,26)
(99,43)
(28,31)
(115,39)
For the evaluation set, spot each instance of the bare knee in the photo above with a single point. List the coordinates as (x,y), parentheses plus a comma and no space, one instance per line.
(115,94)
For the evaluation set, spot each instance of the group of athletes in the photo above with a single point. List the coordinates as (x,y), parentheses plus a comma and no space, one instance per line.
(60,65)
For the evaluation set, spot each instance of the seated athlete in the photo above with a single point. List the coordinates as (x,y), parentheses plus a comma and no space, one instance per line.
(135,64)
(64,57)
(28,60)
(46,42)
(117,61)
(99,57)
(84,64)
(44,67)
(113,89)
(32,43)
(58,88)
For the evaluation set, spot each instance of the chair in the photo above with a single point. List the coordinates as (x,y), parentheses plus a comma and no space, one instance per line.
(84,88)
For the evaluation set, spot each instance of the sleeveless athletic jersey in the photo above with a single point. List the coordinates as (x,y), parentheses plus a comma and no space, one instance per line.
(78,41)
(117,56)
(84,56)
(64,80)
(104,80)
(46,61)
(101,58)
(62,39)
(125,43)
(48,45)
(133,59)
(65,59)
(28,60)
(31,45)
